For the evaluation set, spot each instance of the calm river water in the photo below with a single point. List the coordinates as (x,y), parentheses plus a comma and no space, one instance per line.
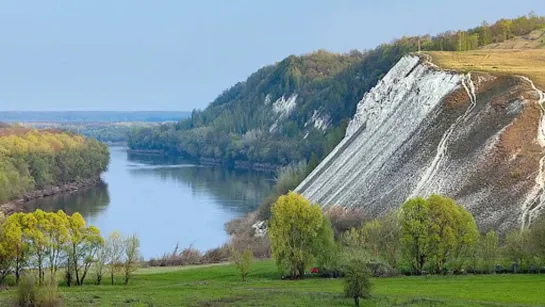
(165,201)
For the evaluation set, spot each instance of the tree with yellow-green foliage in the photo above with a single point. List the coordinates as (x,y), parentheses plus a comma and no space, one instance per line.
(381,237)
(296,233)
(488,251)
(436,230)
(415,224)
(7,253)
(13,237)
(518,248)
(35,225)
(56,235)
(45,240)
(83,244)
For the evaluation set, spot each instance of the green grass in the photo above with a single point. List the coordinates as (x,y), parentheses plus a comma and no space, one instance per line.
(219,285)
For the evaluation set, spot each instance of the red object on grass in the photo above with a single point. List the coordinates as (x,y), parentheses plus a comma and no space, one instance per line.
(314,270)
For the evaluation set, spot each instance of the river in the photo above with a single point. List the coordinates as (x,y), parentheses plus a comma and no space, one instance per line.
(164,201)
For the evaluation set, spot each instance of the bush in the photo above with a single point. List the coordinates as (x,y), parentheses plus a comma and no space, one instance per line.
(218,254)
(260,246)
(380,269)
(48,296)
(343,219)
(190,256)
(27,293)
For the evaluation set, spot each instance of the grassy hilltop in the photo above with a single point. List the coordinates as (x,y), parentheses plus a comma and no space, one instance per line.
(524,62)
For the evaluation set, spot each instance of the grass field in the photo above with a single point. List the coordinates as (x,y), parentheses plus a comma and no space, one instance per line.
(529,63)
(220,286)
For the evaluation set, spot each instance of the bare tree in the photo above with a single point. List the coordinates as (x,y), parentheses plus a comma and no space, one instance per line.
(100,263)
(115,246)
(132,256)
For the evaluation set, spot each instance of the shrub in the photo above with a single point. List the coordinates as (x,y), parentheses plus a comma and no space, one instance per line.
(243,261)
(48,296)
(260,246)
(380,269)
(343,219)
(27,293)
(218,254)
(190,256)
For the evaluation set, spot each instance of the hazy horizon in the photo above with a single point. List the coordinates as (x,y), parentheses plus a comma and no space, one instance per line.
(171,55)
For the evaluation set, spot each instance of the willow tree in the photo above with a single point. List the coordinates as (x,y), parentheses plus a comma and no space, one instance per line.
(132,256)
(13,237)
(296,233)
(7,252)
(83,244)
(56,234)
(436,230)
(36,224)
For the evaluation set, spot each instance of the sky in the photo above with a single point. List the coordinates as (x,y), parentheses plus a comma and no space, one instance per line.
(134,55)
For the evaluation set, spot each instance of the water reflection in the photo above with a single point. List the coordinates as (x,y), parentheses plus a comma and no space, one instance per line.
(165,200)
(236,190)
(90,202)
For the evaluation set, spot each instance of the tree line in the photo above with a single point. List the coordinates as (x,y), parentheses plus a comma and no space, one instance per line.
(431,235)
(33,159)
(238,124)
(43,243)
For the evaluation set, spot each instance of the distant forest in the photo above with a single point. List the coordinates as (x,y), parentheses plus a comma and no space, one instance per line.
(256,121)
(92,116)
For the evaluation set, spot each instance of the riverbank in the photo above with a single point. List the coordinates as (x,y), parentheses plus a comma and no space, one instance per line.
(18,204)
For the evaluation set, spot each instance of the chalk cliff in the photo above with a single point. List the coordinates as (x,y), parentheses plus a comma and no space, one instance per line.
(421,130)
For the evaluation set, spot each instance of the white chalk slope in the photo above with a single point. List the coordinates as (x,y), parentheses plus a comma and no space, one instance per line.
(398,145)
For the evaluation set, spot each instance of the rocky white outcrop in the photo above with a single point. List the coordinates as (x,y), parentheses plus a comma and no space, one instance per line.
(282,108)
(260,229)
(385,118)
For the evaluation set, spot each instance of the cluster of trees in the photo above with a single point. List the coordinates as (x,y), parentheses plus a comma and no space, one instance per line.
(432,235)
(483,35)
(42,243)
(106,132)
(237,125)
(35,159)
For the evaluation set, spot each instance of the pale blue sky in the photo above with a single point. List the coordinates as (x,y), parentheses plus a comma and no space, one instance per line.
(179,55)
